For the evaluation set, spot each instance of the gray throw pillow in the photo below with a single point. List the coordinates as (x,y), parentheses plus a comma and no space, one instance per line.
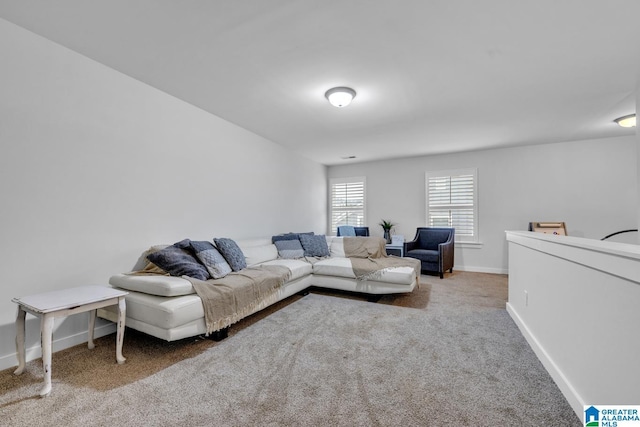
(289,236)
(179,262)
(314,245)
(213,260)
(289,249)
(232,253)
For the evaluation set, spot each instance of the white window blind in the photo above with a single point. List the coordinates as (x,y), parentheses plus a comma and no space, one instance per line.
(347,202)
(452,202)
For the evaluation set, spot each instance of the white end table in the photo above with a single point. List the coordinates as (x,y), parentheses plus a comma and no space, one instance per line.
(395,249)
(66,302)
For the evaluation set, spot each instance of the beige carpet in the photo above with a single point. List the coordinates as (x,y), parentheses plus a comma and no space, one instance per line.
(446,354)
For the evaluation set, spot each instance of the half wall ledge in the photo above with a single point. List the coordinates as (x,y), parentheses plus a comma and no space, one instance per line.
(577,302)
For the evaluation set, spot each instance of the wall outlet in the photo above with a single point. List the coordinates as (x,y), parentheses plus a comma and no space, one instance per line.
(526,298)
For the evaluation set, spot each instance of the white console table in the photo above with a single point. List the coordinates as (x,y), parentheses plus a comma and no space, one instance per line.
(66,302)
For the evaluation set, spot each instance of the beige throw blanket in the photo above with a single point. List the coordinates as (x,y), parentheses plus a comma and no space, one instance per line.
(369,259)
(239,294)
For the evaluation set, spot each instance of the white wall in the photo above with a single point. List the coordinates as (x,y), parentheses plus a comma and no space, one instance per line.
(638,151)
(591,185)
(96,167)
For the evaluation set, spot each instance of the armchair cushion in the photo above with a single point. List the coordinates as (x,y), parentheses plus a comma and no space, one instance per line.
(424,255)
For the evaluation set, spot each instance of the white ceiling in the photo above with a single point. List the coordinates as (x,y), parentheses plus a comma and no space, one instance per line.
(432,76)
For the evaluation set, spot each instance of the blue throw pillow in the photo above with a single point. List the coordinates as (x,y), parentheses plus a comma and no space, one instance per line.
(347,230)
(314,245)
(183,244)
(213,260)
(179,262)
(289,249)
(232,253)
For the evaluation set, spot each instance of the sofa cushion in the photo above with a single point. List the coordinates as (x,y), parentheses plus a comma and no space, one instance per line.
(397,275)
(213,260)
(257,252)
(164,312)
(336,248)
(297,267)
(314,245)
(153,284)
(289,249)
(179,262)
(339,267)
(232,253)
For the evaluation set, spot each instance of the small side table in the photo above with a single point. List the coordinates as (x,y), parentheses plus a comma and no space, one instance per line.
(395,249)
(66,302)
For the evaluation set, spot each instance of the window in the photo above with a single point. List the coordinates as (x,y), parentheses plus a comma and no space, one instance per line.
(347,202)
(452,201)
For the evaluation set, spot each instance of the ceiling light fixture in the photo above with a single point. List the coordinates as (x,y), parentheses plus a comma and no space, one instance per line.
(340,96)
(627,121)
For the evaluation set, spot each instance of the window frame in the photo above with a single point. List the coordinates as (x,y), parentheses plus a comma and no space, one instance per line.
(461,240)
(347,180)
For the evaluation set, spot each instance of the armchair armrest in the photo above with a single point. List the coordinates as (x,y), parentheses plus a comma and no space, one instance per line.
(446,250)
(409,246)
(446,247)
(449,242)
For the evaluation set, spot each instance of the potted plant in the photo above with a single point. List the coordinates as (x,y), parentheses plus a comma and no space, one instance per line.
(387,226)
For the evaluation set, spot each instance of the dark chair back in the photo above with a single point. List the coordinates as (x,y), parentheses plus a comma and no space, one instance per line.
(430,238)
(362,231)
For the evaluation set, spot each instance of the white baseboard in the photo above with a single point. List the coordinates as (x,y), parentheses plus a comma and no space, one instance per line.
(569,392)
(35,352)
(481,269)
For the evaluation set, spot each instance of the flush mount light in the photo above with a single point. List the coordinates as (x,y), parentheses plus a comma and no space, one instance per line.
(627,121)
(340,96)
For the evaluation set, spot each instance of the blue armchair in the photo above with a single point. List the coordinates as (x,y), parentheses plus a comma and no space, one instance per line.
(433,247)
(359,231)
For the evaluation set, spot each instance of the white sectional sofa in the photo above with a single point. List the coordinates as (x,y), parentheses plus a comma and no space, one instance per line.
(167,307)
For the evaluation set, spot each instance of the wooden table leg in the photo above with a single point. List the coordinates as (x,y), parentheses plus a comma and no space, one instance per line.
(20,340)
(122,311)
(92,325)
(46,332)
